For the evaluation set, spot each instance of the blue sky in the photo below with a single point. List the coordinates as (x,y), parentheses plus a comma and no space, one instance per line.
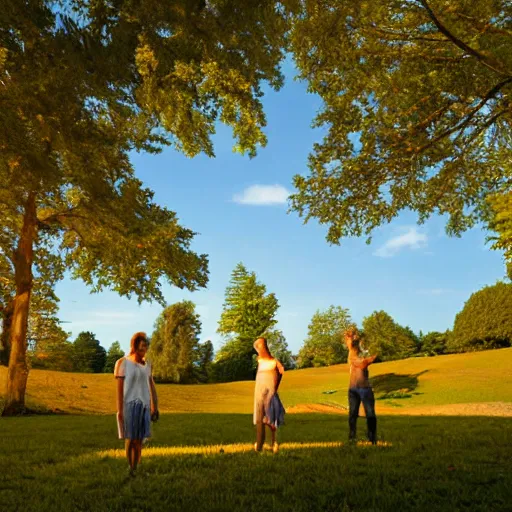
(238,206)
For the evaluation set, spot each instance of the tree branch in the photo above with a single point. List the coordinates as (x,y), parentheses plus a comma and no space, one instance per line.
(461,44)
(56,217)
(486,125)
(469,116)
(403,36)
(483,26)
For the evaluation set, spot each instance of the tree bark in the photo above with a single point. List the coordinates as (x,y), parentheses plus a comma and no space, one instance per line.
(17,374)
(5,343)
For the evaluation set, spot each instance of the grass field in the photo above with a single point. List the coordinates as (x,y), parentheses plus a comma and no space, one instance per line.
(445,426)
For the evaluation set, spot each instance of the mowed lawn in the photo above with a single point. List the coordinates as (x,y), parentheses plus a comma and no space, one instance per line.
(445,433)
(203,462)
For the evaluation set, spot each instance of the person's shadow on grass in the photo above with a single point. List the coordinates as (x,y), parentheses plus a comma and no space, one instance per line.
(396,385)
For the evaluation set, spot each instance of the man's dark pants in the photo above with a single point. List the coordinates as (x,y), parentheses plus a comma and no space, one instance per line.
(355,397)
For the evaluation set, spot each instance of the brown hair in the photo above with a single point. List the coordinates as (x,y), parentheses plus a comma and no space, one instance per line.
(350,330)
(136,340)
(265,345)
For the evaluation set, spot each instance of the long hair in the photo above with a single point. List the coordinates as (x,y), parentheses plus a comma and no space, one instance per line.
(136,340)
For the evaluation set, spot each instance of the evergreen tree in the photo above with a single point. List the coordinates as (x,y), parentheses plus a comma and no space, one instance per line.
(88,355)
(114,353)
(174,346)
(248,312)
(204,361)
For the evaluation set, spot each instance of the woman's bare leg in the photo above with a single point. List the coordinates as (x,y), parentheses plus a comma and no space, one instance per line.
(128,450)
(275,447)
(260,436)
(137,452)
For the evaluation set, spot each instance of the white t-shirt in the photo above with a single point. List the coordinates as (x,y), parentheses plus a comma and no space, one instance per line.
(136,380)
(269,365)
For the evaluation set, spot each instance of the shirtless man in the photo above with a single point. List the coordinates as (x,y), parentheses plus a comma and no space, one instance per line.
(359,389)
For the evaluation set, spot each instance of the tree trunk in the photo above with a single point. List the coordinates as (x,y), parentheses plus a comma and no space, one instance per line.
(17,374)
(5,344)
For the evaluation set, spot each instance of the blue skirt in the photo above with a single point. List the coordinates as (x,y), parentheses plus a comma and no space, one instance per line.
(137,421)
(268,409)
(274,414)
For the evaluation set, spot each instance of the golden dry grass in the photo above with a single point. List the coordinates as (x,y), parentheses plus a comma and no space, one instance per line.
(481,382)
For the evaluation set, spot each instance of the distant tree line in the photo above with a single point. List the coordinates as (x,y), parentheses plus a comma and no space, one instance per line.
(249,311)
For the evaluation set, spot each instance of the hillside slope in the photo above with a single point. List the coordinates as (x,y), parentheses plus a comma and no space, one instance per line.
(473,383)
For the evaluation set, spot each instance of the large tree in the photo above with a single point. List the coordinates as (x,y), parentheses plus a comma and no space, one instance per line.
(82,84)
(387,338)
(417,110)
(174,346)
(248,312)
(324,344)
(43,323)
(88,354)
(485,321)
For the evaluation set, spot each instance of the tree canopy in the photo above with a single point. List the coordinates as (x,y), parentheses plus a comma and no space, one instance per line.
(324,344)
(485,321)
(417,110)
(88,354)
(500,221)
(248,311)
(174,346)
(114,353)
(83,84)
(434,343)
(386,338)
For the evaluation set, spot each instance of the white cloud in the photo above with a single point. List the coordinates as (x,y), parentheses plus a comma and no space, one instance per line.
(411,239)
(262,195)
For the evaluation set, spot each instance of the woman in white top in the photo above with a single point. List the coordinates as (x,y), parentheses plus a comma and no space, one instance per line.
(268,409)
(137,403)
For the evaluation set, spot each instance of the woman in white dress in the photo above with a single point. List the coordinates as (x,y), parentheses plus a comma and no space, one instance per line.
(137,403)
(268,409)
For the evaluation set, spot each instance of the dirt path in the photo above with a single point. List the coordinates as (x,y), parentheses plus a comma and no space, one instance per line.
(503,409)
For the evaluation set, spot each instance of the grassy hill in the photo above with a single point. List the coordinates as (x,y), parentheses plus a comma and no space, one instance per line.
(432,453)
(473,383)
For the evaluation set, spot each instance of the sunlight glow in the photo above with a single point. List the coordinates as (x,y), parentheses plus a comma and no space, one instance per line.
(169,451)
